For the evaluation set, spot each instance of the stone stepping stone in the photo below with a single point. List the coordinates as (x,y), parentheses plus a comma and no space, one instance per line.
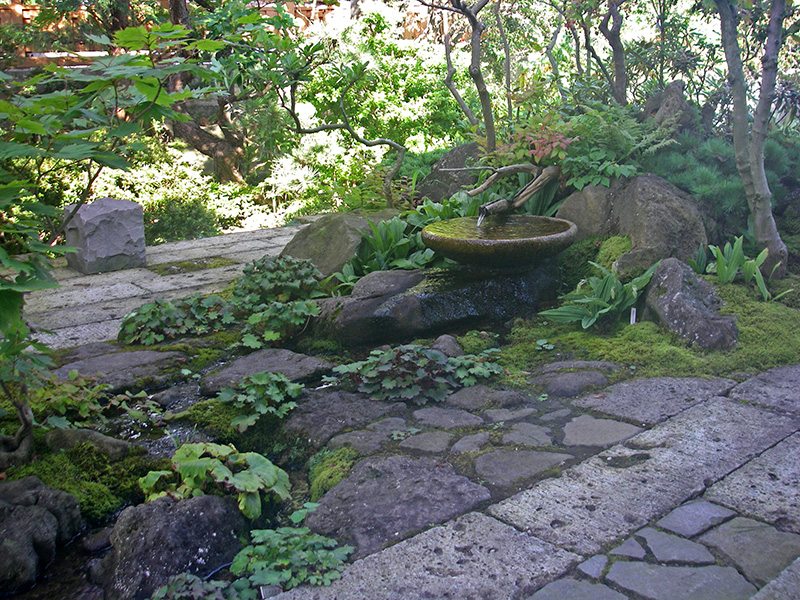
(657,582)
(650,401)
(329,412)
(569,385)
(766,487)
(528,434)
(432,442)
(784,587)
(556,415)
(366,442)
(695,517)
(446,418)
(479,396)
(123,371)
(594,566)
(611,495)
(588,431)
(630,548)
(759,550)
(388,425)
(777,388)
(296,367)
(671,548)
(579,365)
(497,415)
(504,467)
(389,497)
(471,443)
(572,589)
(473,557)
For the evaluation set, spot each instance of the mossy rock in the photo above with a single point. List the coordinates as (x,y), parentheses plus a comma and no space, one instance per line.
(610,250)
(475,342)
(574,261)
(326,469)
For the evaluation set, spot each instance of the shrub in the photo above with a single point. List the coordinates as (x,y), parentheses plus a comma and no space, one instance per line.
(260,394)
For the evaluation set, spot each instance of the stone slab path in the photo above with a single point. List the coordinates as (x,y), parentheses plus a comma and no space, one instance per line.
(659,489)
(90,308)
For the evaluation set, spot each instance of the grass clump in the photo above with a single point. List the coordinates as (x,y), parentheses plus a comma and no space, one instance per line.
(327,468)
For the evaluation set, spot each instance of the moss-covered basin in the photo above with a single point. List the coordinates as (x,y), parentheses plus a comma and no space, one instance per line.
(502,241)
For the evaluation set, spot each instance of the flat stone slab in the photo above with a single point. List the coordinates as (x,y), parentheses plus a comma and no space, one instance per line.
(568,385)
(388,425)
(784,587)
(609,496)
(650,401)
(431,442)
(777,388)
(497,415)
(528,434)
(504,467)
(766,487)
(296,367)
(474,557)
(594,567)
(759,550)
(669,548)
(630,548)
(572,589)
(446,418)
(140,369)
(329,412)
(385,499)
(578,365)
(477,397)
(366,442)
(471,443)
(657,582)
(588,431)
(695,517)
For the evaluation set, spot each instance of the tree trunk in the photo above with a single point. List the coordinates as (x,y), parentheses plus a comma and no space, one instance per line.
(179,13)
(477,75)
(619,85)
(749,140)
(226,156)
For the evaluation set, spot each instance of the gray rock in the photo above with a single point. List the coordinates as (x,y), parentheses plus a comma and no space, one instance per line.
(333,239)
(409,304)
(556,415)
(657,582)
(114,449)
(471,558)
(669,106)
(630,548)
(784,587)
(594,567)
(777,388)
(28,543)
(471,443)
(479,396)
(759,550)
(666,396)
(387,498)
(766,487)
(611,495)
(387,425)
(504,467)
(671,548)
(446,418)
(448,345)
(158,539)
(108,235)
(568,385)
(296,367)
(578,365)
(588,431)
(366,442)
(174,394)
(329,412)
(688,305)
(497,415)
(573,589)
(442,183)
(30,491)
(528,434)
(591,210)
(695,517)
(127,371)
(432,442)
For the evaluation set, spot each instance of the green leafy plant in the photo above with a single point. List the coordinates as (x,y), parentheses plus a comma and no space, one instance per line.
(414,373)
(261,394)
(728,260)
(290,556)
(700,262)
(187,586)
(276,321)
(599,297)
(281,279)
(197,468)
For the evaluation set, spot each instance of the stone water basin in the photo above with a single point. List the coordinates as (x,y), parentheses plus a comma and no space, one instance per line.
(502,241)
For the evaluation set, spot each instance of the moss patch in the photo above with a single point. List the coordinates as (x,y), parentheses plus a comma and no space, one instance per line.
(611,249)
(187,266)
(327,468)
(574,262)
(475,342)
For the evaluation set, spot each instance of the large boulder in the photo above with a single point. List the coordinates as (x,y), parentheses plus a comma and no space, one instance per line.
(670,107)
(389,306)
(687,305)
(660,219)
(34,520)
(332,240)
(442,183)
(154,541)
